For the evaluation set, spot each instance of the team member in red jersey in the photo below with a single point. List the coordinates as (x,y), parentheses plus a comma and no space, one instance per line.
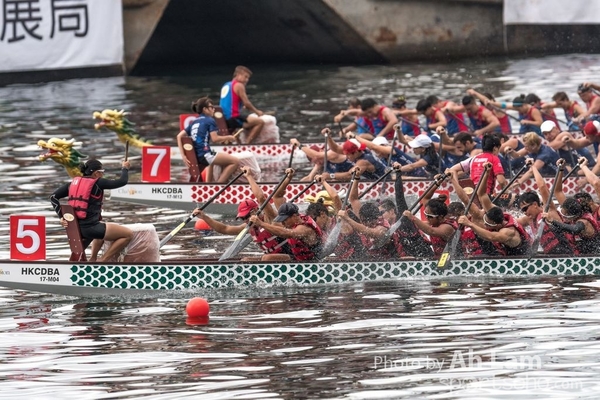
(439,228)
(455,121)
(501,228)
(86,194)
(379,119)
(303,235)
(571,108)
(490,146)
(591,100)
(584,198)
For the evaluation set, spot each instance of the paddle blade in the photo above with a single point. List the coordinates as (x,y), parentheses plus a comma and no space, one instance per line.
(241,240)
(332,241)
(449,251)
(174,232)
(536,242)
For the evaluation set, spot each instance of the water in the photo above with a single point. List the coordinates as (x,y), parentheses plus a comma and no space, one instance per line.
(419,338)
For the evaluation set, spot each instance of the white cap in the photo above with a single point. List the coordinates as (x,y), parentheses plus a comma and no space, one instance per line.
(420,141)
(380,140)
(547,126)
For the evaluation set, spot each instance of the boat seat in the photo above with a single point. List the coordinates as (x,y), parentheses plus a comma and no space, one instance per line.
(219,117)
(196,168)
(73,234)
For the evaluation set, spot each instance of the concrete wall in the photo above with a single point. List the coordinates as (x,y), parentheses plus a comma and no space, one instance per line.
(192,32)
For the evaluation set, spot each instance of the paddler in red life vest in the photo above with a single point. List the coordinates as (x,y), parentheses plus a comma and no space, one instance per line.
(324,206)
(85,195)
(273,247)
(379,119)
(584,198)
(577,222)
(501,228)
(552,240)
(489,102)
(302,233)
(592,136)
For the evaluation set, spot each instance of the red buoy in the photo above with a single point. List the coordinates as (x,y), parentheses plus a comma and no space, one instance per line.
(197,307)
(201,225)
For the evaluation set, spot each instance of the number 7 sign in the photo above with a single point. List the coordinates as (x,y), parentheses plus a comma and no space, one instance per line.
(156,163)
(27,237)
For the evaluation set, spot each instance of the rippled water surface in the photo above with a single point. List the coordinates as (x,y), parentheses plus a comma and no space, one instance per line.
(439,339)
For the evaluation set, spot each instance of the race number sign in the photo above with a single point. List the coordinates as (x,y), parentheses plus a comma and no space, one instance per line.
(27,237)
(185,120)
(156,164)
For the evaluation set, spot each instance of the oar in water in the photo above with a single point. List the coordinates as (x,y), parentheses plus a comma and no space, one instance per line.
(517,175)
(451,245)
(538,235)
(332,239)
(413,209)
(202,207)
(244,237)
(293,200)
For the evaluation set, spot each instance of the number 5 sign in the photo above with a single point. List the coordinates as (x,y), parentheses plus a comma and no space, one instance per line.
(27,237)
(156,163)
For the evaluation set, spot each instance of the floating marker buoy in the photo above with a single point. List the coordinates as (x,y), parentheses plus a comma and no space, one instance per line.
(197,307)
(201,225)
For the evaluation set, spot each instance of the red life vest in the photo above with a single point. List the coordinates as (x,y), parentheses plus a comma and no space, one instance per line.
(439,243)
(409,241)
(554,243)
(302,251)
(570,113)
(588,245)
(547,115)
(470,243)
(378,123)
(80,194)
(505,126)
(268,243)
(384,253)
(523,247)
(589,103)
(458,118)
(350,247)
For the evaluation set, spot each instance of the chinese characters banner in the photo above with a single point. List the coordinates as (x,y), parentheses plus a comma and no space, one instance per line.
(554,12)
(56,34)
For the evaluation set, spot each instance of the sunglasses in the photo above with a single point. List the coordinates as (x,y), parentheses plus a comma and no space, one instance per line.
(429,216)
(566,216)
(526,207)
(488,223)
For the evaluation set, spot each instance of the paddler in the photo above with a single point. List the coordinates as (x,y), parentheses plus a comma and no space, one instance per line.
(85,194)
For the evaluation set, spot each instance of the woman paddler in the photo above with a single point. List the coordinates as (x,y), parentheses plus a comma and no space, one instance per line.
(85,194)
(203,130)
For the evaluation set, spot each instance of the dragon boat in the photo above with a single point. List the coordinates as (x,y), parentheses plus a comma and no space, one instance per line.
(267,154)
(97,279)
(185,195)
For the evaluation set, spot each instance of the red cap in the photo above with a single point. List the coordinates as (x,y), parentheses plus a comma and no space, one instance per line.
(352,146)
(591,128)
(246,207)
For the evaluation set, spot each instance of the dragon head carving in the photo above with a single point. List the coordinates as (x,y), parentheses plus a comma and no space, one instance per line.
(62,152)
(117,122)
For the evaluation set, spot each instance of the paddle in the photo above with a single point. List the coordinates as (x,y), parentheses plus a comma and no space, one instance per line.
(504,111)
(517,175)
(202,207)
(341,130)
(538,236)
(451,245)
(126,150)
(412,123)
(332,239)
(571,159)
(325,152)
(293,200)
(459,121)
(575,168)
(389,162)
(244,237)
(413,209)
(291,156)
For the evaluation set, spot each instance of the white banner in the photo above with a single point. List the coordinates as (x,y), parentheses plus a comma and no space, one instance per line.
(57,34)
(547,12)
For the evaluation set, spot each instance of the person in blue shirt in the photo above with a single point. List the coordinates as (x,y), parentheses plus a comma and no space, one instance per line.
(544,157)
(203,130)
